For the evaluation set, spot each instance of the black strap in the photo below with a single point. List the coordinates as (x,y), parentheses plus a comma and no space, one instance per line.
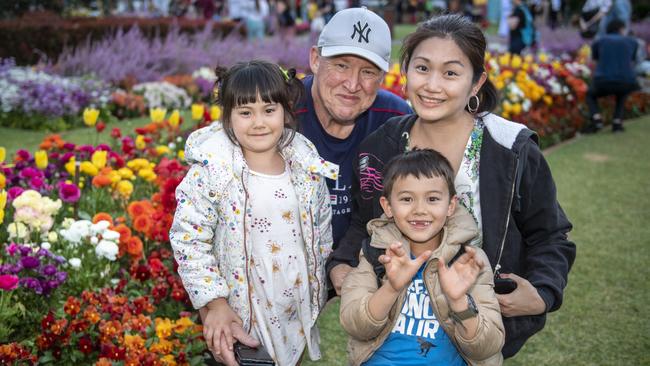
(372,255)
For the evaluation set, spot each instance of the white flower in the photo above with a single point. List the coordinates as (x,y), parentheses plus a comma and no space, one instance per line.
(46,245)
(52,237)
(94,240)
(106,249)
(111,235)
(99,227)
(172,146)
(75,263)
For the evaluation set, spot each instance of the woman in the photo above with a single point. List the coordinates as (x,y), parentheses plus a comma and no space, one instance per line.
(501,175)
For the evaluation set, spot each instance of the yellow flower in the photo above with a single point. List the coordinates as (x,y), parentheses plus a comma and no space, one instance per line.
(87,167)
(3,181)
(164,328)
(181,154)
(175,118)
(52,237)
(543,58)
(168,360)
(516,108)
(157,115)
(147,174)
(516,61)
(69,166)
(183,324)
(499,84)
(3,203)
(125,188)
(389,80)
(3,154)
(90,116)
(40,158)
(115,176)
(125,173)
(215,113)
(133,342)
(140,144)
(99,159)
(197,111)
(162,149)
(548,100)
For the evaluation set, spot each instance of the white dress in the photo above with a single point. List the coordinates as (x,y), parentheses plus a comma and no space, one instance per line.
(280,289)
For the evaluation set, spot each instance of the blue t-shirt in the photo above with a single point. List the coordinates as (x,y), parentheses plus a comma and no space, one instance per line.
(344,151)
(417,338)
(615,54)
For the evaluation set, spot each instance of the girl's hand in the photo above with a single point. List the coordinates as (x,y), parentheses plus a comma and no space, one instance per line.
(218,322)
(456,280)
(400,268)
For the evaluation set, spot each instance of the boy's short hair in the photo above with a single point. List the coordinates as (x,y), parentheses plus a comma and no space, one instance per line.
(418,163)
(615,26)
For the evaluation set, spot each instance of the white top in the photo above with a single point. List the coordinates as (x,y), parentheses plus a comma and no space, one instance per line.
(467,178)
(602,5)
(278,273)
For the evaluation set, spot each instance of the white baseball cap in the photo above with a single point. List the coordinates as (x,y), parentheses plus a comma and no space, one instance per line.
(360,32)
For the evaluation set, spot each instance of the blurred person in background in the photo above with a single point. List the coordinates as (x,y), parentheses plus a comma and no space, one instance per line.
(254,13)
(522,27)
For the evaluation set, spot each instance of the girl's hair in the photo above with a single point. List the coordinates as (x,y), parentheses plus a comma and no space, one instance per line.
(245,81)
(468,37)
(420,163)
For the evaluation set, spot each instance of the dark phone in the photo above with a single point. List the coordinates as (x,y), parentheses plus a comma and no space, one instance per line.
(504,286)
(248,356)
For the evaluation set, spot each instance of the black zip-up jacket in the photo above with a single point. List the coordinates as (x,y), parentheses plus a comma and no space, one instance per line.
(524,227)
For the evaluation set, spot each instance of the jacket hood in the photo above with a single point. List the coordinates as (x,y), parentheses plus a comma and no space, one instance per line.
(460,228)
(211,144)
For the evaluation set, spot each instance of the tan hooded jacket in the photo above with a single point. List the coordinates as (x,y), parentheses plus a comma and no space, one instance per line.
(368,334)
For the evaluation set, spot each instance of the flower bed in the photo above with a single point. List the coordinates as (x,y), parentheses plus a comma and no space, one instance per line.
(86,270)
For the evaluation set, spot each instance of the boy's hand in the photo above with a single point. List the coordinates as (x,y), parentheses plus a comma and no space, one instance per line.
(400,268)
(221,327)
(456,280)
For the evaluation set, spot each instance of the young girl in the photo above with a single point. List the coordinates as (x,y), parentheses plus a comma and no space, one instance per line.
(252,229)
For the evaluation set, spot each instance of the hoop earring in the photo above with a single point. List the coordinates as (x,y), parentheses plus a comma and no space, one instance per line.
(471,109)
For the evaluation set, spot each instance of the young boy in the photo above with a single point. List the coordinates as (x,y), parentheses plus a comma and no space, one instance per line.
(424,312)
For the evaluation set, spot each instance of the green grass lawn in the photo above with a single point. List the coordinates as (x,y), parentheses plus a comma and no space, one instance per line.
(604,187)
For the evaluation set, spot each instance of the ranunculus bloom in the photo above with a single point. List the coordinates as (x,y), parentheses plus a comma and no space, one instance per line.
(14,192)
(8,282)
(69,193)
(116,133)
(30,262)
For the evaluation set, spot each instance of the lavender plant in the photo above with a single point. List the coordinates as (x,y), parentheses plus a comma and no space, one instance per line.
(130,54)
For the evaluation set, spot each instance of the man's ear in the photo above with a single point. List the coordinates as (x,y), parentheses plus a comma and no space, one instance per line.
(314,59)
(385,204)
(453,201)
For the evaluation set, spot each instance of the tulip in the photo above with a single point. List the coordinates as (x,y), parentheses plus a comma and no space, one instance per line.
(40,157)
(197,111)
(90,116)
(3,203)
(175,118)
(157,115)
(215,113)
(3,154)
(100,126)
(99,159)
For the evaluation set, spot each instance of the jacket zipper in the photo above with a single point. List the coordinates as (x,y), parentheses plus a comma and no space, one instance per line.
(313,252)
(248,285)
(497,267)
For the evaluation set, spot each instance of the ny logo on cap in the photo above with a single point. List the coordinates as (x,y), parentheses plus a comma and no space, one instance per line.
(362,31)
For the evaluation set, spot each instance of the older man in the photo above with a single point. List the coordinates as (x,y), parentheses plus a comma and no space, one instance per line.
(343,102)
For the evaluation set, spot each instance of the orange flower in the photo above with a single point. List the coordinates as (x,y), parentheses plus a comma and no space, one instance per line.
(139,208)
(101,180)
(103,362)
(134,246)
(102,216)
(142,223)
(125,232)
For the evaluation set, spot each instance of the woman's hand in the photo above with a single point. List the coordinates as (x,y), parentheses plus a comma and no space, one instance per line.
(400,268)
(524,300)
(456,280)
(221,328)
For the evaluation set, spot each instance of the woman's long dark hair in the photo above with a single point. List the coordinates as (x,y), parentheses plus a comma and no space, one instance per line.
(468,37)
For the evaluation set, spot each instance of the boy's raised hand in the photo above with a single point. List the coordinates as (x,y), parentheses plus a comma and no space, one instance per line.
(400,268)
(456,280)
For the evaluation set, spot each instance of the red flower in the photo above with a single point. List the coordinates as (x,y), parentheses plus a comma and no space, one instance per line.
(72,306)
(100,126)
(142,273)
(85,345)
(47,321)
(116,133)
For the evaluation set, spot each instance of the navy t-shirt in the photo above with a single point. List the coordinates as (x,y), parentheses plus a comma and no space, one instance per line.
(615,54)
(417,337)
(344,151)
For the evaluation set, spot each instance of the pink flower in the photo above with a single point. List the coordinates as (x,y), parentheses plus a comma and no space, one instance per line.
(8,282)
(69,193)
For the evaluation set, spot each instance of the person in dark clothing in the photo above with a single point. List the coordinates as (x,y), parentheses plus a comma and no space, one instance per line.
(614,75)
(502,178)
(522,27)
